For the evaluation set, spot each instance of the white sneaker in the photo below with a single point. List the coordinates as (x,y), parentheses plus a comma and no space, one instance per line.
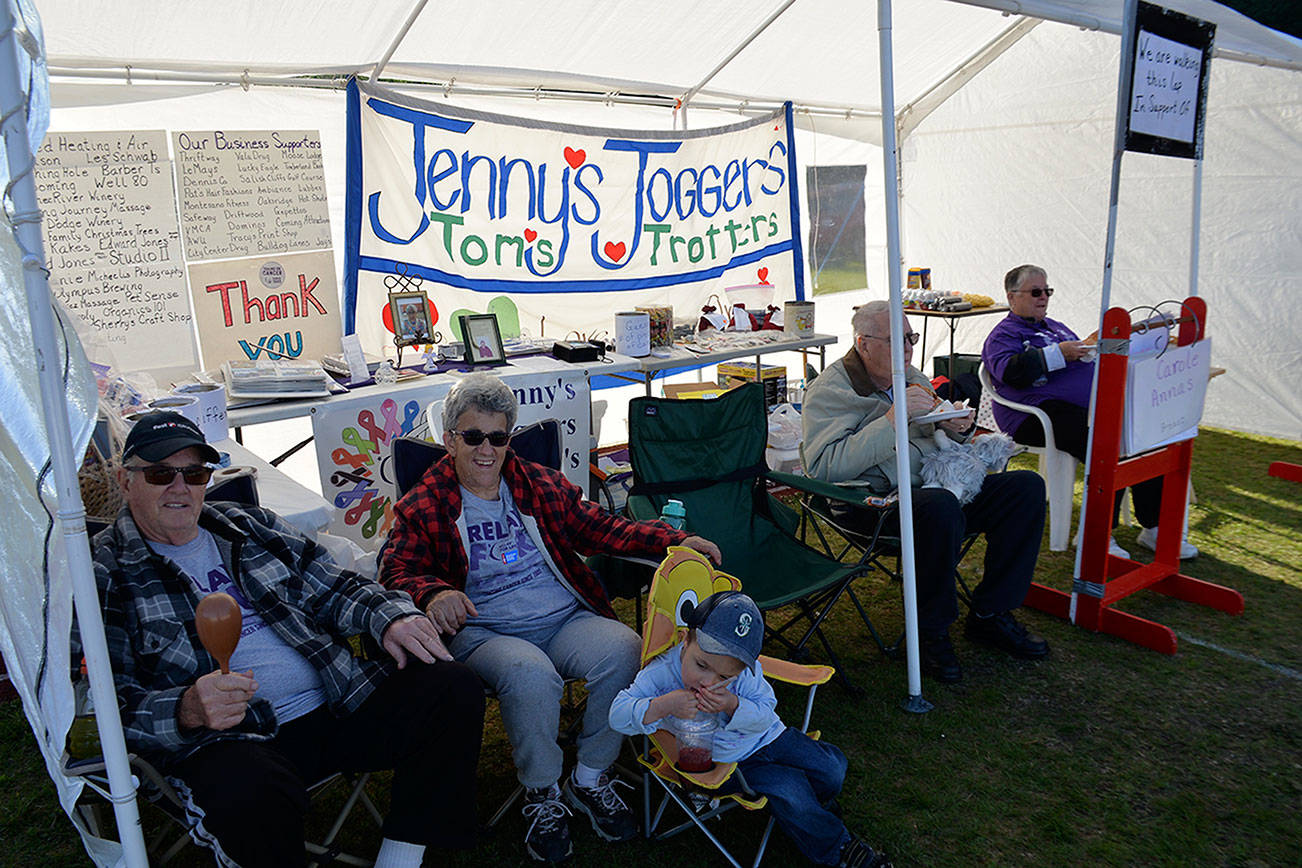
(1148,539)
(1113,549)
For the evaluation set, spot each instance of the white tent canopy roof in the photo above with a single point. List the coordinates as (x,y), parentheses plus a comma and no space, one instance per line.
(821,55)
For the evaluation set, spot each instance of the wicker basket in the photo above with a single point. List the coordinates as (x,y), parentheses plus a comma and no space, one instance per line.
(100,492)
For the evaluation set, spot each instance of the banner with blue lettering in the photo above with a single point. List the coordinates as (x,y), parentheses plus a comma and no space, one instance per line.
(571,224)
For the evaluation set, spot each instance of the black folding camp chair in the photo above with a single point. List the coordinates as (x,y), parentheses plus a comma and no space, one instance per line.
(709,454)
(864,539)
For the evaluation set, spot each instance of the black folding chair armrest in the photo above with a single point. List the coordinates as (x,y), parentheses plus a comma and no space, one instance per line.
(854,496)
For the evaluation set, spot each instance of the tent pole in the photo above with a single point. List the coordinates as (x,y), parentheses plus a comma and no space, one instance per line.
(397,40)
(72,514)
(754,34)
(914,702)
(1124,74)
(1196,230)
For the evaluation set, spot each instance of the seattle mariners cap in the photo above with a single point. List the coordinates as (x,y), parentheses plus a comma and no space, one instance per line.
(729,623)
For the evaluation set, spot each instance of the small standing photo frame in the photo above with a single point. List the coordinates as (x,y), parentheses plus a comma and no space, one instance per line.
(410,312)
(483,339)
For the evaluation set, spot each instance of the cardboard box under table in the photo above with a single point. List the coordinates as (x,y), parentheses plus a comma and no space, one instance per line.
(774,378)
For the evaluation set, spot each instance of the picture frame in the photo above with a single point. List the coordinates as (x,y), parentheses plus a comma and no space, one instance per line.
(410,313)
(483,339)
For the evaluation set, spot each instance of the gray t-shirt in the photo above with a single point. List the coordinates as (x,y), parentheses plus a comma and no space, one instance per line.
(510,583)
(285,678)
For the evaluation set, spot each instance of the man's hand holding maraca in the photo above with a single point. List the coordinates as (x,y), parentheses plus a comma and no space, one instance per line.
(217,700)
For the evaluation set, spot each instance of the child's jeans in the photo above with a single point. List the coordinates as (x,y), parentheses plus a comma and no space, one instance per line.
(799,775)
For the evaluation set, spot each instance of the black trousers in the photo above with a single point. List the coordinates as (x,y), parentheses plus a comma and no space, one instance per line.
(1009,510)
(424,722)
(1070,434)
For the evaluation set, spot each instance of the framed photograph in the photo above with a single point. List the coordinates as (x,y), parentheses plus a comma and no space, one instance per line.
(483,339)
(410,312)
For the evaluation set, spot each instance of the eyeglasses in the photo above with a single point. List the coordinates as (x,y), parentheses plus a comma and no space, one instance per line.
(162,474)
(911,338)
(474,437)
(1037,291)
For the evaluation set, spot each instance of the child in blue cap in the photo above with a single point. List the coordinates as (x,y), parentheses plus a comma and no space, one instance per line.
(716,670)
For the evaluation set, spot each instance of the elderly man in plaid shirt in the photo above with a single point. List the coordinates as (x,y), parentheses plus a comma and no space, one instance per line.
(490,546)
(297,705)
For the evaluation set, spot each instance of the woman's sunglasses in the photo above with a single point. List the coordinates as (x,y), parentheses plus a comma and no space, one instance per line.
(162,474)
(474,437)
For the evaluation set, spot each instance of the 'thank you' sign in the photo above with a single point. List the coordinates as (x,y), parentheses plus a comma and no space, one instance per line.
(574,223)
(1168,85)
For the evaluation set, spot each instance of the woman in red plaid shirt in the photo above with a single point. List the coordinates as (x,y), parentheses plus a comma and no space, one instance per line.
(491,547)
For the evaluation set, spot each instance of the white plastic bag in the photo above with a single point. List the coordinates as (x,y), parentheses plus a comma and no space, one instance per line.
(784,427)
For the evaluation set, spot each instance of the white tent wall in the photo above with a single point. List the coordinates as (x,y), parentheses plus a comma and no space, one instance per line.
(1014,169)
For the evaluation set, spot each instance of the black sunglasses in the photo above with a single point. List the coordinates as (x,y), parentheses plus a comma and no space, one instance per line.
(474,437)
(911,338)
(162,474)
(1037,291)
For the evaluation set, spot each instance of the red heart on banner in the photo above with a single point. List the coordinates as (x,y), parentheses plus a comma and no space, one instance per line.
(530,235)
(614,251)
(575,158)
(763,275)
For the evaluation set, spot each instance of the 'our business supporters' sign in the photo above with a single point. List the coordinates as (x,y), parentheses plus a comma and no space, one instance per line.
(574,223)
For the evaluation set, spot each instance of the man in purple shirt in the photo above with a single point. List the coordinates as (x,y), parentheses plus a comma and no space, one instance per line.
(1039,361)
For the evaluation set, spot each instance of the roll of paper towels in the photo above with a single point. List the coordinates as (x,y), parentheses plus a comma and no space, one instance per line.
(633,333)
(212,408)
(221,474)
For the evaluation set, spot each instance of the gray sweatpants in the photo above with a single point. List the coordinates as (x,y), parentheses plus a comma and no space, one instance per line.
(528,676)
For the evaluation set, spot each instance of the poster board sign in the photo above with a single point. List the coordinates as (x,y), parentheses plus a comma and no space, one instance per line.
(572,223)
(113,245)
(1164,396)
(352,437)
(1167,100)
(250,192)
(284,306)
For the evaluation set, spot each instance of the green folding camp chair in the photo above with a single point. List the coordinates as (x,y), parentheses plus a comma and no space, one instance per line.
(709,454)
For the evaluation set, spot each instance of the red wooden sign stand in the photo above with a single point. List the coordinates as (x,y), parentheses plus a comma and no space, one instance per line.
(1104,578)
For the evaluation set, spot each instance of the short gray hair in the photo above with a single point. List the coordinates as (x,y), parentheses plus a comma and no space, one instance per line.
(484,392)
(867,314)
(1013,279)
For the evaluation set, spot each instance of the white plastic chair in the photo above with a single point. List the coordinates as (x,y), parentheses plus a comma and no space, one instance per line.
(1057,467)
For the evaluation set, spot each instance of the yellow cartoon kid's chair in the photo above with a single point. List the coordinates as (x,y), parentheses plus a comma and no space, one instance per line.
(686,576)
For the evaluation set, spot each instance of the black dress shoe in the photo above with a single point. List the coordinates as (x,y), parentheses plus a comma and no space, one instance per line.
(1006,633)
(939,660)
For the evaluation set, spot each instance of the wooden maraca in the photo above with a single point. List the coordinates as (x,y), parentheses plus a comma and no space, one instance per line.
(218,620)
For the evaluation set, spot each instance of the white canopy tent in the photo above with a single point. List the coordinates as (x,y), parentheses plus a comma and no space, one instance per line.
(1004,116)
(1004,124)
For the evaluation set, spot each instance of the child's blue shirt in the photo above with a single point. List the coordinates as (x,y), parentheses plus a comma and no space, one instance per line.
(754,724)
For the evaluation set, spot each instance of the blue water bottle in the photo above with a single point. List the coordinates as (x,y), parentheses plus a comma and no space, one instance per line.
(674,514)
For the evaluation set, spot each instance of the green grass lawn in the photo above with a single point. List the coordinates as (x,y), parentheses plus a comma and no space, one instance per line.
(1103,754)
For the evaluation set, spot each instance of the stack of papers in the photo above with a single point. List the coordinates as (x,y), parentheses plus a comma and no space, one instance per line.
(276,379)
(335,364)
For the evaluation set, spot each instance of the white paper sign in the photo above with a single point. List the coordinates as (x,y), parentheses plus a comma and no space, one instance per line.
(1164,102)
(1164,397)
(114,250)
(266,307)
(251,192)
(353,434)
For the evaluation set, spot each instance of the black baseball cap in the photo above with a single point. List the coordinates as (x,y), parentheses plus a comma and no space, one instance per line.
(158,435)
